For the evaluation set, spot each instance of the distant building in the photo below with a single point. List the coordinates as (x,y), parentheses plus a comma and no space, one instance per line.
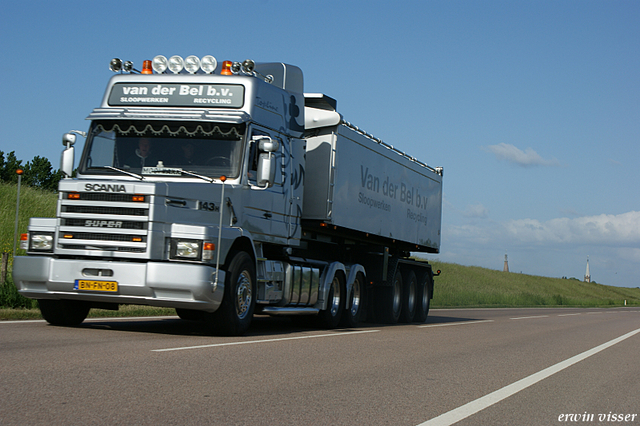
(587,275)
(506,264)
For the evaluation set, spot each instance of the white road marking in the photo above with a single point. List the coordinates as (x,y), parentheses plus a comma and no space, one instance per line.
(486,401)
(453,323)
(537,316)
(249,342)
(568,315)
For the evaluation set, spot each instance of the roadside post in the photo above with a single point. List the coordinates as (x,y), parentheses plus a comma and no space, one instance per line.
(15,232)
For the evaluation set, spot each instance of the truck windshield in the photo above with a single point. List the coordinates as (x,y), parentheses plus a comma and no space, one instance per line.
(156,147)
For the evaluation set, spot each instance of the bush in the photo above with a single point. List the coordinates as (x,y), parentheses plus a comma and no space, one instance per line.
(10,298)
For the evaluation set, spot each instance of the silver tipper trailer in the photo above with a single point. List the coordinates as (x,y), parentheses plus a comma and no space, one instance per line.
(225,191)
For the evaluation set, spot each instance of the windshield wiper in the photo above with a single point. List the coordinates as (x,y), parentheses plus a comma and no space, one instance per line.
(207,178)
(135,175)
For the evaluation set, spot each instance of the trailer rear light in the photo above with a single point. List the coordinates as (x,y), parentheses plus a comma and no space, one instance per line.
(207,251)
(24,241)
(159,64)
(176,64)
(146,67)
(192,64)
(226,68)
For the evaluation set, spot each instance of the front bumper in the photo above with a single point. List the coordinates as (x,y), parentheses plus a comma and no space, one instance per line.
(168,284)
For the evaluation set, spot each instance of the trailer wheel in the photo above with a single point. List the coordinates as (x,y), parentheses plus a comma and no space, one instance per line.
(409,296)
(389,300)
(66,313)
(355,309)
(234,315)
(424,299)
(330,317)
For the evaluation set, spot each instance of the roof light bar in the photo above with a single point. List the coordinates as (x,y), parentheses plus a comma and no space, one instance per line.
(192,64)
(208,64)
(176,64)
(160,64)
(226,68)
(115,65)
(146,67)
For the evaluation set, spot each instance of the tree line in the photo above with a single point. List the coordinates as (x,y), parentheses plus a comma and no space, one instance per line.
(38,173)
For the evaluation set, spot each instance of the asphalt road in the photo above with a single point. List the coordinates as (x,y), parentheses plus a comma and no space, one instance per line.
(468,367)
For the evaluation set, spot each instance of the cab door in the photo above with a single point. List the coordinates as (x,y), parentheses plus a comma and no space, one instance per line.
(264,214)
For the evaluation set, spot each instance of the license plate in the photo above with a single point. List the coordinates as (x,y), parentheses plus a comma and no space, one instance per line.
(90,285)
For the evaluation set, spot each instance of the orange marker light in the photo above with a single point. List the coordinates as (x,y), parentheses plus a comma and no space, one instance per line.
(139,198)
(226,68)
(207,251)
(223,178)
(146,67)
(73,196)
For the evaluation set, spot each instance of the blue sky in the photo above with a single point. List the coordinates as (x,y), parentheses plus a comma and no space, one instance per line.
(531,107)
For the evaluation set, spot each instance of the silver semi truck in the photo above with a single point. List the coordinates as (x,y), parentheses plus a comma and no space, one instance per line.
(224,191)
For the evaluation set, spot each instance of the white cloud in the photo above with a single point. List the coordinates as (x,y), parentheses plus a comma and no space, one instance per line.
(557,247)
(525,158)
(476,211)
(619,230)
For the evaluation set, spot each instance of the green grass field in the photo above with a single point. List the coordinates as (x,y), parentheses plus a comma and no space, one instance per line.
(457,286)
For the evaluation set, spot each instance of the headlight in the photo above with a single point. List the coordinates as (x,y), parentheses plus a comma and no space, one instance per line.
(186,249)
(41,242)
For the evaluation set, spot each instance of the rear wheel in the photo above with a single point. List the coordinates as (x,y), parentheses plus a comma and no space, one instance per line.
(409,296)
(64,312)
(355,309)
(330,317)
(389,300)
(234,315)
(424,298)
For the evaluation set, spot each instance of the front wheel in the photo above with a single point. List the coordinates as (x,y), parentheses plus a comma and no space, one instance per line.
(66,313)
(234,315)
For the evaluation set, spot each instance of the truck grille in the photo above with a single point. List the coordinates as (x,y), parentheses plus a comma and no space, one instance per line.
(104,222)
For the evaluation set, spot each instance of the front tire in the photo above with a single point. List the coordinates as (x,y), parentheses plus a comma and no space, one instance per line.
(234,315)
(67,313)
(189,314)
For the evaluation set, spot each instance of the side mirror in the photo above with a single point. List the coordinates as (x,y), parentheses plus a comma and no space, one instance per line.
(67,159)
(266,160)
